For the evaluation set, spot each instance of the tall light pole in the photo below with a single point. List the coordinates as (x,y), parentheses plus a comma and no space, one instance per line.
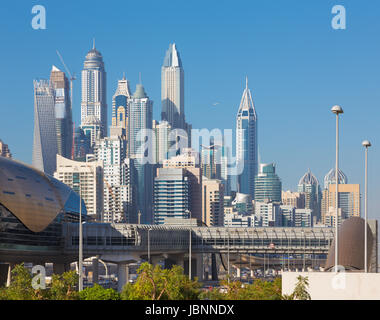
(190,246)
(80,244)
(336,110)
(366,144)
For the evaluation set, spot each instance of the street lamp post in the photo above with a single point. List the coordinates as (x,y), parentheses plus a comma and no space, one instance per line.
(366,144)
(336,110)
(80,267)
(189,212)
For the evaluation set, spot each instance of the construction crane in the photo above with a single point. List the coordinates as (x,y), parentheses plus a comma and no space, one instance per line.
(72,78)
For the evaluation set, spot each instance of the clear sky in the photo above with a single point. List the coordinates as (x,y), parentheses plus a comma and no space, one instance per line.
(298,68)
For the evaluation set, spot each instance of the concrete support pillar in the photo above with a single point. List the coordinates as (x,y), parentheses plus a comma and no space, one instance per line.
(9,275)
(122,275)
(214,268)
(3,274)
(95,270)
(238,272)
(252,274)
(199,267)
(59,268)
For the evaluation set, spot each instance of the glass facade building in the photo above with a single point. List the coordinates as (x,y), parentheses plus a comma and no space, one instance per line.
(33,206)
(63,113)
(267,184)
(246,144)
(140,119)
(45,145)
(171,195)
(94,99)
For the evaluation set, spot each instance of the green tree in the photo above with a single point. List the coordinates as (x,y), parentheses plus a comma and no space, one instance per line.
(63,286)
(300,291)
(235,290)
(97,292)
(20,287)
(155,283)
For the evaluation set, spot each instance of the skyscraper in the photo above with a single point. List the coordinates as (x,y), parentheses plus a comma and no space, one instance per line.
(267,184)
(188,160)
(63,112)
(45,134)
(86,179)
(329,179)
(246,143)
(172,89)
(94,99)
(162,142)
(213,202)
(140,119)
(120,104)
(171,194)
(309,185)
(118,189)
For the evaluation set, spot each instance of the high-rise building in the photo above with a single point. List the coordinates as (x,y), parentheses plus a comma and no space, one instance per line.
(63,112)
(303,218)
(120,104)
(119,197)
(309,185)
(211,161)
(213,202)
(86,179)
(82,145)
(172,89)
(348,199)
(162,141)
(287,215)
(294,199)
(45,134)
(94,99)
(4,150)
(269,213)
(171,195)
(188,160)
(329,179)
(225,174)
(246,144)
(267,184)
(140,119)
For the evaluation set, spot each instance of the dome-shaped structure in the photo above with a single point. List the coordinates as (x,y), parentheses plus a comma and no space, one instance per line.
(351,245)
(308,178)
(330,178)
(33,197)
(94,59)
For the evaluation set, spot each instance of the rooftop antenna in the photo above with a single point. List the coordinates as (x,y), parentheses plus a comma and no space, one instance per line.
(139,77)
(93,43)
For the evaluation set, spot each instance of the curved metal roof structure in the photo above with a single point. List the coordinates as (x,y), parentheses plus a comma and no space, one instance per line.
(330,178)
(308,178)
(34,197)
(351,245)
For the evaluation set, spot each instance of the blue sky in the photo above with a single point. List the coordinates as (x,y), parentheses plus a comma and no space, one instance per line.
(298,68)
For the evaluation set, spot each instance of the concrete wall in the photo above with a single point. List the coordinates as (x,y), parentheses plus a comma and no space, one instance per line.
(336,286)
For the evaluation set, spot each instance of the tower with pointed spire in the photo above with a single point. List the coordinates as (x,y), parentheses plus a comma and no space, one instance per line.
(172,89)
(94,99)
(140,119)
(246,144)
